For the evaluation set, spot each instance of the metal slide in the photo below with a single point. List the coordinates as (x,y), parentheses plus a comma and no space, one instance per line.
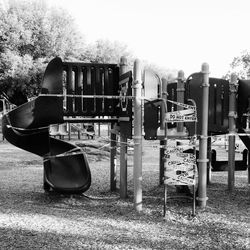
(66,168)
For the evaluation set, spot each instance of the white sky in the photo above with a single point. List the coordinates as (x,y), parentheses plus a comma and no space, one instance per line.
(175,34)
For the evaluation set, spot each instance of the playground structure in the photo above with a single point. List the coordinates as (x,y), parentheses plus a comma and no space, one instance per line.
(69,129)
(226,110)
(108,93)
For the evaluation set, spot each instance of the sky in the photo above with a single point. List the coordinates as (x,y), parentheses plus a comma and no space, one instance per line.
(174,34)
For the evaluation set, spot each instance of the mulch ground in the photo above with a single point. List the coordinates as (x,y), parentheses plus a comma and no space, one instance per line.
(33,219)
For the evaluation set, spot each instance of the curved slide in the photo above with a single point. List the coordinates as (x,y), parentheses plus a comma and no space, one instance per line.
(66,168)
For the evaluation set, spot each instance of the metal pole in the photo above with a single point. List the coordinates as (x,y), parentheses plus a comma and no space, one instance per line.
(202,161)
(209,166)
(69,132)
(123,140)
(113,174)
(232,129)
(248,167)
(162,142)
(137,137)
(163,123)
(4,106)
(161,172)
(99,129)
(180,97)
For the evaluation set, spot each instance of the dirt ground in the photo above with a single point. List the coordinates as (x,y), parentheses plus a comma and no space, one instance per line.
(33,219)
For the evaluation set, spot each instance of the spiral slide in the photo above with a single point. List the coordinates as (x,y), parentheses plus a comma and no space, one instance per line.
(66,168)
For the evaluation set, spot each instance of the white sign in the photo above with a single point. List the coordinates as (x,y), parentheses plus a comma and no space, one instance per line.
(182,105)
(188,173)
(176,149)
(186,115)
(179,180)
(180,156)
(180,167)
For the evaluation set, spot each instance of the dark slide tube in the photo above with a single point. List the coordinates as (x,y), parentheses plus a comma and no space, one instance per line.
(66,168)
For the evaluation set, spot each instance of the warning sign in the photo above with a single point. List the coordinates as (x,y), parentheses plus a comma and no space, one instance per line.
(182,157)
(183,105)
(180,167)
(187,115)
(179,180)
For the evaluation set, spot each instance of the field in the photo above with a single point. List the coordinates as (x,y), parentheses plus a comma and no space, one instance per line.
(33,219)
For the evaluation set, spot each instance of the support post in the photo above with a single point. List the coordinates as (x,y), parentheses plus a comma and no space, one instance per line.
(99,129)
(69,132)
(165,127)
(202,161)
(162,153)
(123,143)
(180,97)
(248,167)
(4,106)
(113,173)
(233,85)
(137,171)
(209,166)
(162,142)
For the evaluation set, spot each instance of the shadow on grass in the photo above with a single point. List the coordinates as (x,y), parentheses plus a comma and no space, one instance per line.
(95,233)
(13,238)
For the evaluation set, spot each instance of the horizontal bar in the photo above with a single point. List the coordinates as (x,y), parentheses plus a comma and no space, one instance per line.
(105,96)
(89,119)
(89,96)
(124,119)
(98,65)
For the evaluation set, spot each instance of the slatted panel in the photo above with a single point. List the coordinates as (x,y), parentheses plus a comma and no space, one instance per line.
(69,89)
(125,81)
(99,81)
(224,95)
(218,105)
(218,102)
(91,79)
(85,84)
(78,89)
(108,89)
(243,101)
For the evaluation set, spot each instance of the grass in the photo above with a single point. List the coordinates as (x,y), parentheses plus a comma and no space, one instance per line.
(32,219)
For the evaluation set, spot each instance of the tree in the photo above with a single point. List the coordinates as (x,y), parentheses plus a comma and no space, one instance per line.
(105,51)
(240,65)
(168,74)
(30,35)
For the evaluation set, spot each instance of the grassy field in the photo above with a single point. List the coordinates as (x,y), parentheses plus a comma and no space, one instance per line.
(32,219)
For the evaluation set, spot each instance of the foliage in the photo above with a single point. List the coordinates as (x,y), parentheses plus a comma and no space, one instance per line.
(240,65)
(31,34)
(105,51)
(168,74)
